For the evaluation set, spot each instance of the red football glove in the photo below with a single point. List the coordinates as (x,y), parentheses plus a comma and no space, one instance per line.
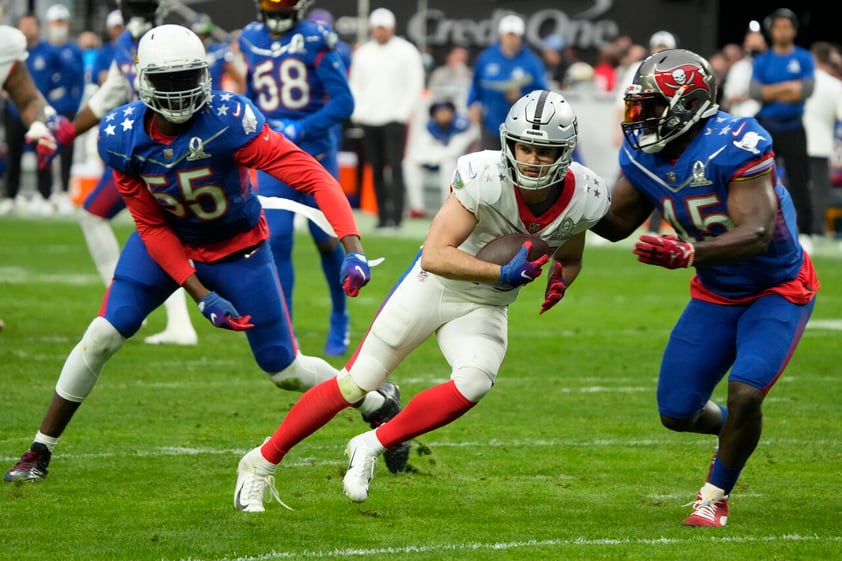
(57,132)
(666,251)
(555,288)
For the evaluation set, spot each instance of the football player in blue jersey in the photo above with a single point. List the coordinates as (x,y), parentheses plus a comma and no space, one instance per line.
(297,79)
(104,202)
(712,176)
(181,157)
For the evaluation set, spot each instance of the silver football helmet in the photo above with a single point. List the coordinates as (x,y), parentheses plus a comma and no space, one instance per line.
(672,90)
(280,16)
(542,118)
(172,72)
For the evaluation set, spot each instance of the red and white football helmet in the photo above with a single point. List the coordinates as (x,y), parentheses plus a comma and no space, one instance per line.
(672,90)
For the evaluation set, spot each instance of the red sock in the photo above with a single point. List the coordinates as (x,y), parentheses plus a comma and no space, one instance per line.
(427,411)
(312,411)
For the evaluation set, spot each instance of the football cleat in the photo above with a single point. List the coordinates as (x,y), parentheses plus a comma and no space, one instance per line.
(708,512)
(361,462)
(397,456)
(339,335)
(32,465)
(253,488)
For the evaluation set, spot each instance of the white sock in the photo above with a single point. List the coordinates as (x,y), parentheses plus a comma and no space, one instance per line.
(178,318)
(372,443)
(48,441)
(371,402)
(261,465)
(712,492)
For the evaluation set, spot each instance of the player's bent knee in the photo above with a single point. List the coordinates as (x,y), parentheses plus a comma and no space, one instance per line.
(472,382)
(85,362)
(275,360)
(677,425)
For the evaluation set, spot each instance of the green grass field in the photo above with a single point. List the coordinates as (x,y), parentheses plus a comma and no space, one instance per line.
(565,459)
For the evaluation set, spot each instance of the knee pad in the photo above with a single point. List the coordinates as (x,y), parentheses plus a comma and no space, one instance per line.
(85,362)
(303,373)
(472,382)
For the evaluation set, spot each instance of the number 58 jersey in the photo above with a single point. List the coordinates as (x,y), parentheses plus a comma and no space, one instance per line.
(298,77)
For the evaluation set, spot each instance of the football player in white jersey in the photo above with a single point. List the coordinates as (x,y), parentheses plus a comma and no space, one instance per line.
(530,186)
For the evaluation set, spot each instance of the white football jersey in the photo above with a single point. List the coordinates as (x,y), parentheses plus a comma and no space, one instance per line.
(483,185)
(12,50)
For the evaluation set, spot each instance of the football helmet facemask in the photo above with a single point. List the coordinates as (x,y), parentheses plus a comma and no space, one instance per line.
(672,90)
(172,72)
(141,15)
(544,119)
(280,16)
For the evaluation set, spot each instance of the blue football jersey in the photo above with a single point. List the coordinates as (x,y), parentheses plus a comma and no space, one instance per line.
(692,195)
(298,77)
(207,194)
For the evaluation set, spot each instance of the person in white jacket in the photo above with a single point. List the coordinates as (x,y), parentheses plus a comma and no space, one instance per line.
(386,79)
(435,143)
(821,112)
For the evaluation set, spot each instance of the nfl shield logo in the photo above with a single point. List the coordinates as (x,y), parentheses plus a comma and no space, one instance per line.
(168,153)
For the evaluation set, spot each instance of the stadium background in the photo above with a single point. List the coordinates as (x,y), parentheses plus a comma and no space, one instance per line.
(700,25)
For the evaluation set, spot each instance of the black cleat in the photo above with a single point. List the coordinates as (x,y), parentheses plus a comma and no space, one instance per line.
(32,465)
(397,456)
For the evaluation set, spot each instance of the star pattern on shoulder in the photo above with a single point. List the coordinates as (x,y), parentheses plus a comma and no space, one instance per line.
(596,184)
(222,110)
(109,130)
(127,124)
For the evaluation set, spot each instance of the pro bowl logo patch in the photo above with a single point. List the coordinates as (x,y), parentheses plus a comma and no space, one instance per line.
(686,78)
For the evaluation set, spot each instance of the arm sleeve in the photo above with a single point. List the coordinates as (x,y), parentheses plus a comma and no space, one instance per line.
(333,74)
(160,241)
(272,153)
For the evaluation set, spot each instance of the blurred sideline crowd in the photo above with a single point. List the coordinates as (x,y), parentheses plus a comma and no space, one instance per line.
(434,111)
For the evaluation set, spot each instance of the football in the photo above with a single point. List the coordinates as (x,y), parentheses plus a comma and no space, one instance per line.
(504,248)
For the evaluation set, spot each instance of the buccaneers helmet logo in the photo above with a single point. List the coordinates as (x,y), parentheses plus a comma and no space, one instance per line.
(685,78)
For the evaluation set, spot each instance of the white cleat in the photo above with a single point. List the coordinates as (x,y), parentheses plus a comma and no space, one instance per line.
(253,488)
(360,468)
(172,337)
